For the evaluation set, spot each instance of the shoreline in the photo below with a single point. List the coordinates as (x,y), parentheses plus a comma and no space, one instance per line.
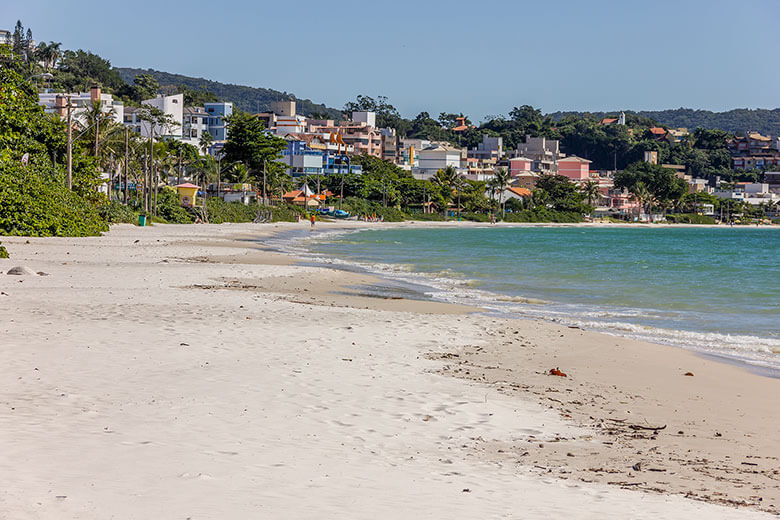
(494,304)
(159,384)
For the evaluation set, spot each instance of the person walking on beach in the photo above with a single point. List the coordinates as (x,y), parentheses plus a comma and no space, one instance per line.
(313,220)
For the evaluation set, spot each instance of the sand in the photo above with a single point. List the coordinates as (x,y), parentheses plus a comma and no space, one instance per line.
(186,372)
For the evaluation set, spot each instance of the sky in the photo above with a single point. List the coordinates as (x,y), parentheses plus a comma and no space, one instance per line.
(480,58)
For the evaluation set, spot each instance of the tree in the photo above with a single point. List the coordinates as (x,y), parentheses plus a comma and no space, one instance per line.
(447,180)
(79,70)
(205,142)
(48,54)
(499,182)
(387,115)
(560,194)
(249,143)
(643,196)
(663,183)
(591,191)
(144,87)
(425,127)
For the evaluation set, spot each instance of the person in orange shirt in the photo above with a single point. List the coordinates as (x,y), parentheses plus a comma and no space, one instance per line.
(313,220)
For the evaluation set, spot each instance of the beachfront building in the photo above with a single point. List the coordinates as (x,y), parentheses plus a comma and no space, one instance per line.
(753,193)
(172,106)
(310,155)
(491,149)
(359,133)
(285,120)
(542,151)
(519,165)
(57,103)
(754,151)
(194,125)
(217,113)
(409,153)
(437,157)
(769,159)
(772,179)
(390,145)
(575,168)
(515,192)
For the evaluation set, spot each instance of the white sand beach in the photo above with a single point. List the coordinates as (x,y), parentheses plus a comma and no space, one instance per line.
(185,372)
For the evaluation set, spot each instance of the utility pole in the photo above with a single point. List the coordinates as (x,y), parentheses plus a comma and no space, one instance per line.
(264,165)
(151,168)
(97,131)
(179,179)
(146,183)
(70,146)
(127,160)
(219,173)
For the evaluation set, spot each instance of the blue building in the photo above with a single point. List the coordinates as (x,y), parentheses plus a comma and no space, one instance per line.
(302,160)
(217,112)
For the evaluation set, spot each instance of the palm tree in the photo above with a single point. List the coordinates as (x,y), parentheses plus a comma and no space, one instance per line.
(206,140)
(642,195)
(591,191)
(238,173)
(771,206)
(446,179)
(500,181)
(48,54)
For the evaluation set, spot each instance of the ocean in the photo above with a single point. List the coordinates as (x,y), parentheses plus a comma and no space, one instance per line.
(712,290)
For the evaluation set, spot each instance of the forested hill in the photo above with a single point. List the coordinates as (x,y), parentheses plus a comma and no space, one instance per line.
(249,99)
(738,120)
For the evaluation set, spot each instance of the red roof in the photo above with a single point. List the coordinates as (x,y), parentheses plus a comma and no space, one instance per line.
(520,192)
(657,131)
(188,185)
(608,120)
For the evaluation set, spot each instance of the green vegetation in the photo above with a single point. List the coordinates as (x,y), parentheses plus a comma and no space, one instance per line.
(115,212)
(761,120)
(220,212)
(248,99)
(689,218)
(652,185)
(34,199)
(170,209)
(32,203)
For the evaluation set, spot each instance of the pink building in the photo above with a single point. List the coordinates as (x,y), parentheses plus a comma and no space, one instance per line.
(575,168)
(364,138)
(519,165)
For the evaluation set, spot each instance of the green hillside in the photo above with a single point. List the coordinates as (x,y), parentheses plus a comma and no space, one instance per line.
(249,99)
(740,120)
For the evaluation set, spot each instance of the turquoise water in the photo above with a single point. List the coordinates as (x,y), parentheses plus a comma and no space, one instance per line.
(715,290)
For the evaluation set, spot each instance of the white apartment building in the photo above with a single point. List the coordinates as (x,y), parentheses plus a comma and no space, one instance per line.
(57,103)
(195,122)
(437,157)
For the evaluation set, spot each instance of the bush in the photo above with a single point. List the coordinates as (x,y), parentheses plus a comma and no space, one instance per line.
(220,212)
(284,212)
(424,217)
(35,203)
(476,217)
(115,212)
(170,209)
(357,207)
(689,218)
(3,252)
(543,214)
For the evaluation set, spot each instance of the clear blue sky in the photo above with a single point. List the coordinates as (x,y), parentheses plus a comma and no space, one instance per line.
(476,57)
